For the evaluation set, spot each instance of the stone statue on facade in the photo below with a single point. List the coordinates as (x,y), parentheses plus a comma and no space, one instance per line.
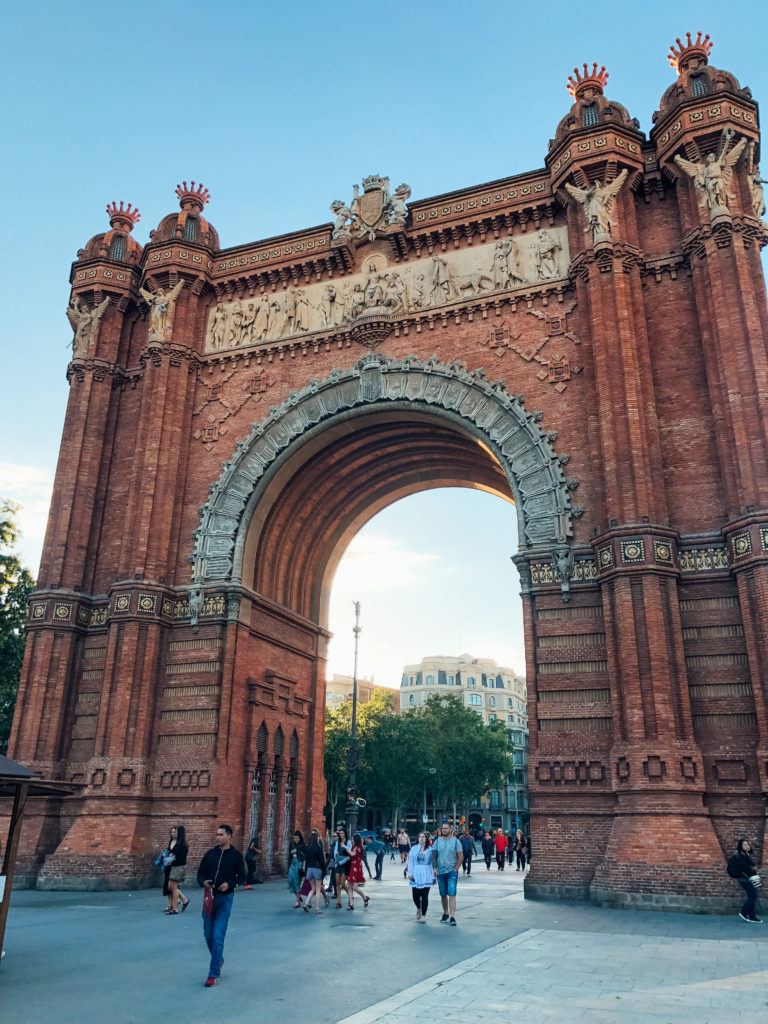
(396,208)
(218,327)
(196,604)
(161,304)
(506,271)
(442,288)
(85,324)
(344,221)
(756,191)
(545,251)
(598,201)
(712,176)
(370,210)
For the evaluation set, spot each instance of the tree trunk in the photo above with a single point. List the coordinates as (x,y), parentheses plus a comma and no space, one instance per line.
(395,811)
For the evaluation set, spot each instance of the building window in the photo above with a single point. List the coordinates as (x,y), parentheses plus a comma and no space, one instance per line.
(499,683)
(699,86)
(430,680)
(411,698)
(511,719)
(491,702)
(509,702)
(190,229)
(419,680)
(441,677)
(495,798)
(589,117)
(475,698)
(451,680)
(492,716)
(118,247)
(470,680)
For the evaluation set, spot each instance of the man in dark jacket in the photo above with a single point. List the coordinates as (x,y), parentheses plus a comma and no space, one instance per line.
(487,845)
(221,870)
(468,849)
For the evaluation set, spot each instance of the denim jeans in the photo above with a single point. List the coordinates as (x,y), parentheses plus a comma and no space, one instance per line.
(215,930)
(379,863)
(749,909)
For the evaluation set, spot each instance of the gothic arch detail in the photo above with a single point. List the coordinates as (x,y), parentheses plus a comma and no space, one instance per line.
(524,450)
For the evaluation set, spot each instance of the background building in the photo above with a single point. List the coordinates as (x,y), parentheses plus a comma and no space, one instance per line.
(496,693)
(339,689)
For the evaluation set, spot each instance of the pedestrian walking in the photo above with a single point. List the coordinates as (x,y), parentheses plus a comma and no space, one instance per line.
(500,843)
(221,870)
(520,848)
(511,848)
(340,864)
(355,877)
(447,860)
(468,849)
(252,863)
(296,866)
(421,875)
(366,848)
(173,860)
(488,849)
(741,866)
(314,866)
(378,849)
(403,845)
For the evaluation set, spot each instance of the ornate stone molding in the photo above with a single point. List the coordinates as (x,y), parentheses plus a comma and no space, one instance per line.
(534,471)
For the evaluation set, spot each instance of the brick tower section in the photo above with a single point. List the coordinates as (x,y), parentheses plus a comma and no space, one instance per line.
(235,415)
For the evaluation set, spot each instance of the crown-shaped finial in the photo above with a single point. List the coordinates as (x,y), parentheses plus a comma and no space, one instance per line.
(679,56)
(586,79)
(195,194)
(125,215)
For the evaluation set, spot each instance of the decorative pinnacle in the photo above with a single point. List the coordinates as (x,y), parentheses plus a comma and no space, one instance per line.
(195,194)
(701,47)
(128,216)
(586,79)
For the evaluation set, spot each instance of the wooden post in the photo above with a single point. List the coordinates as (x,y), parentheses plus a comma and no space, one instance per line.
(11,849)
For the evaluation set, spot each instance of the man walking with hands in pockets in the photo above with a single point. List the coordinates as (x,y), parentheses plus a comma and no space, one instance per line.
(448,856)
(221,870)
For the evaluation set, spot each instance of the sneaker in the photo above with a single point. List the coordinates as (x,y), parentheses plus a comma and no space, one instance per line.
(744,917)
(210,982)
(452,922)
(247,887)
(755,920)
(443,919)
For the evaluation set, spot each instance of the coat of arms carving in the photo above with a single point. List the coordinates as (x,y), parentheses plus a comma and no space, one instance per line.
(371,210)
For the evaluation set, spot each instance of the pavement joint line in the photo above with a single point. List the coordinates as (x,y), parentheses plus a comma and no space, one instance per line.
(379,1011)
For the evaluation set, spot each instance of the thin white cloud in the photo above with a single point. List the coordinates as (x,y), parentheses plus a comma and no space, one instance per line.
(375,562)
(30,488)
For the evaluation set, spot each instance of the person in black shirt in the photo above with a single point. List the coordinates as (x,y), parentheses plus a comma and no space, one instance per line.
(742,867)
(221,870)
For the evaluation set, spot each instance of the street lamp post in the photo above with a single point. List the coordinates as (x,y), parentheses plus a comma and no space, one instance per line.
(352,752)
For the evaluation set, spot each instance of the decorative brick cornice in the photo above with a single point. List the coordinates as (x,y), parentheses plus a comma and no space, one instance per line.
(705,239)
(606,257)
(174,352)
(698,116)
(99,369)
(747,540)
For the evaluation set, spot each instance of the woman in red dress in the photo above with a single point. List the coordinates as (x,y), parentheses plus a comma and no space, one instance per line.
(355,878)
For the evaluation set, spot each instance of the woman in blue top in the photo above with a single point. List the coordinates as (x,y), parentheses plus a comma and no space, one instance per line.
(421,875)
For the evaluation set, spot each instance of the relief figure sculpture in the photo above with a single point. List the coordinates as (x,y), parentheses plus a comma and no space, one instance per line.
(218,326)
(712,176)
(756,191)
(85,323)
(546,250)
(161,304)
(442,287)
(261,323)
(506,271)
(598,201)
(236,327)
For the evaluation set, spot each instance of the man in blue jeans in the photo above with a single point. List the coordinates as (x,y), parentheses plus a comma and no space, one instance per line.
(221,870)
(447,857)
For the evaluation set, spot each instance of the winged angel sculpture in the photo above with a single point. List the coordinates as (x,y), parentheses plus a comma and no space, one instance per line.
(85,324)
(598,203)
(161,303)
(712,176)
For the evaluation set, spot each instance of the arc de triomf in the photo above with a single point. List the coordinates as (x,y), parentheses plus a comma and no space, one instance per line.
(587,340)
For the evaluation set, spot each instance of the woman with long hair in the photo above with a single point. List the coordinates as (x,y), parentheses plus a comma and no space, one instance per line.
(340,863)
(314,861)
(520,849)
(296,850)
(356,878)
(421,875)
(174,862)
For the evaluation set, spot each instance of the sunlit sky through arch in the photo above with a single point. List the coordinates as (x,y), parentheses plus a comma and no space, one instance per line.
(434,575)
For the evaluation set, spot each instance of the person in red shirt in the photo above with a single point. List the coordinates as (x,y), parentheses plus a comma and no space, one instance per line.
(501,843)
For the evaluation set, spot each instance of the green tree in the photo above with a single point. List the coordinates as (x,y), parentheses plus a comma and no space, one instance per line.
(469,757)
(16,585)
(395,764)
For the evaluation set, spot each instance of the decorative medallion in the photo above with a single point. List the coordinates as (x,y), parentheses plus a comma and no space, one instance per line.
(764,537)
(62,612)
(38,610)
(147,603)
(123,603)
(605,557)
(167,607)
(663,552)
(742,545)
(632,551)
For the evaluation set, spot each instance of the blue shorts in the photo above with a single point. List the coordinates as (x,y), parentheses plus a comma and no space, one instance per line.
(446,883)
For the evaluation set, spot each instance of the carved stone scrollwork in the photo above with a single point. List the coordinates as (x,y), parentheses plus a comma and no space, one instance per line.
(531,465)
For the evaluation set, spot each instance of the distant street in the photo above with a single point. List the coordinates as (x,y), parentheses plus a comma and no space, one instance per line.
(86,958)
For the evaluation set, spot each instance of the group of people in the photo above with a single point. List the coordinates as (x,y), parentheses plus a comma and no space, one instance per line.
(429,861)
(512,848)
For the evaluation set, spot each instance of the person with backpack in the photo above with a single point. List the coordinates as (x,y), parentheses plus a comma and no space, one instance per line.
(741,866)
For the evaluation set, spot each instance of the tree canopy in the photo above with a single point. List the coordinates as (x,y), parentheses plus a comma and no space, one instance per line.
(16,585)
(443,746)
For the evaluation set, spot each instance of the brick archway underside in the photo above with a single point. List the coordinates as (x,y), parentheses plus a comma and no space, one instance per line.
(322,464)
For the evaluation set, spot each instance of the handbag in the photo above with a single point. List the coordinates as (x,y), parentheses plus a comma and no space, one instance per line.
(756,880)
(208,902)
(168,860)
(160,859)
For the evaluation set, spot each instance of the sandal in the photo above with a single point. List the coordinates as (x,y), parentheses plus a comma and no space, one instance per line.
(350,908)
(338,906)
(184,905)
(305,909)
(366,901)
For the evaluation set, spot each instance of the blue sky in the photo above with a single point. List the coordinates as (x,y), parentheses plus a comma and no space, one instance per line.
(280,111)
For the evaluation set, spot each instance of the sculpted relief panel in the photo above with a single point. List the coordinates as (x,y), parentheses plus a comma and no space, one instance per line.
(415,287)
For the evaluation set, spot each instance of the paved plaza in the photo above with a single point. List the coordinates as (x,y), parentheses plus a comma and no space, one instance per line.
(83,958)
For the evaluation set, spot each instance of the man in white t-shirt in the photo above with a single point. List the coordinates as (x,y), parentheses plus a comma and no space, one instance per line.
(448,856)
